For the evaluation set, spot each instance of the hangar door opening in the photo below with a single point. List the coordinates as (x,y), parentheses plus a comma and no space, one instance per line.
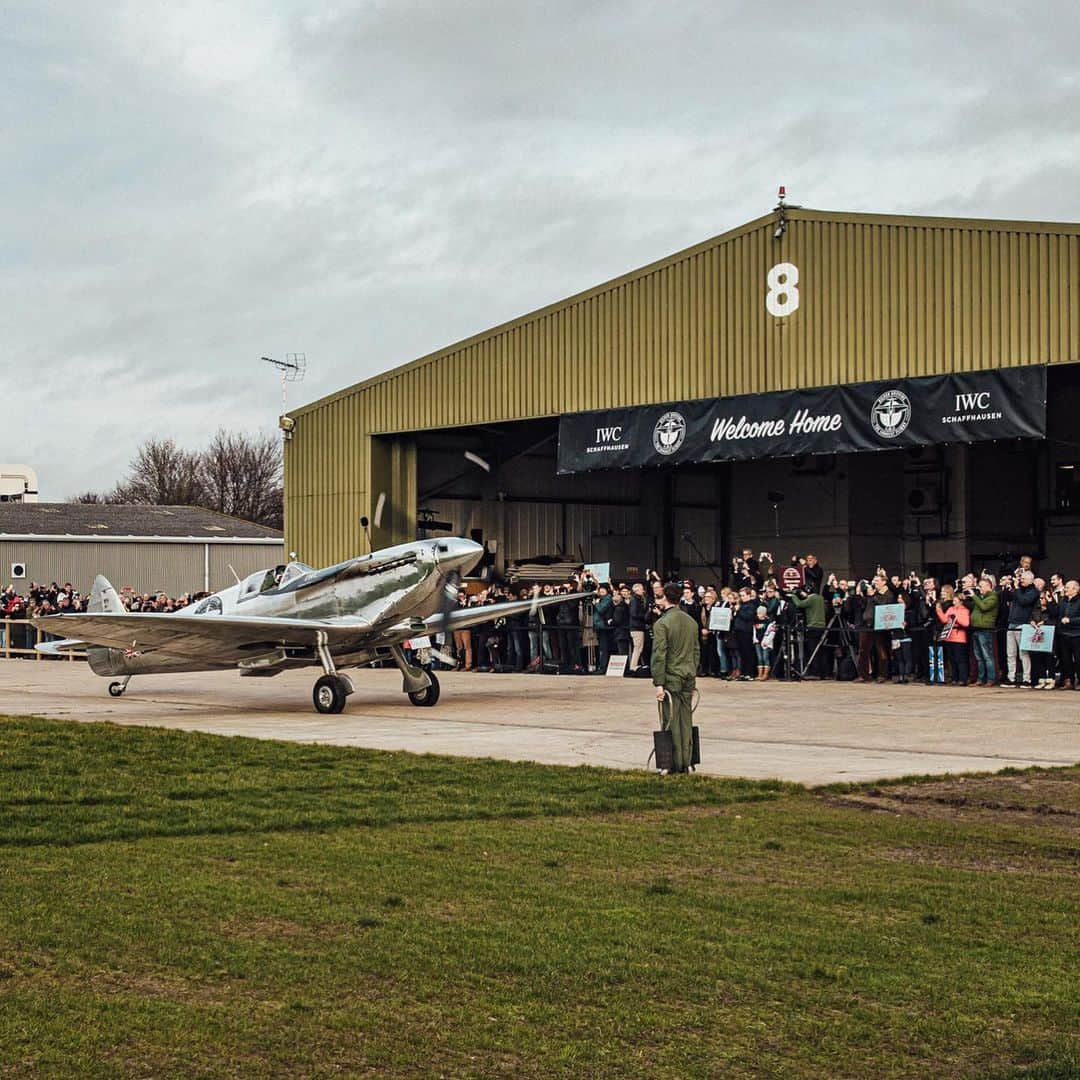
(498,483)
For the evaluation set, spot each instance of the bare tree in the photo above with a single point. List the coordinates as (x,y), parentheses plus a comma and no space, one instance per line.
(163,474)
(236,474)
(241,475)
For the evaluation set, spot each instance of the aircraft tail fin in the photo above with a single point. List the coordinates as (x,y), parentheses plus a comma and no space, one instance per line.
(104,598)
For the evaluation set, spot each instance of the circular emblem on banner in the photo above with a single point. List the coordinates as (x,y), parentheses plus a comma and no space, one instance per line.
(891,414)
(669,433)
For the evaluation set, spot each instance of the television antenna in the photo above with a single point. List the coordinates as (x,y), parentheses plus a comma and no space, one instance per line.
(292,369)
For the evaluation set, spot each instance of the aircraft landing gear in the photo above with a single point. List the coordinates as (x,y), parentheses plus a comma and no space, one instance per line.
(332,689)
(419,683)
(116,689)
(330,693)
(429,695)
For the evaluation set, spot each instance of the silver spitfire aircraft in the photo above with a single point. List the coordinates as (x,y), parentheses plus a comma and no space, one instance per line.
(348,615)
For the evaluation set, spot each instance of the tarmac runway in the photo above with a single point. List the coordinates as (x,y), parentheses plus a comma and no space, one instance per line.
(813,733)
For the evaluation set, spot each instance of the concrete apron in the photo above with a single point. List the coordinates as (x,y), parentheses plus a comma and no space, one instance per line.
(812,733)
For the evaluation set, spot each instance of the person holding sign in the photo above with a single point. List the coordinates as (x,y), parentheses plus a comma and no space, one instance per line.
(955,618)
(676,654)
(880,638)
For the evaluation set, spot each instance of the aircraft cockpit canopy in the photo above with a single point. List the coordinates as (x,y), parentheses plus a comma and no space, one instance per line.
(295,570)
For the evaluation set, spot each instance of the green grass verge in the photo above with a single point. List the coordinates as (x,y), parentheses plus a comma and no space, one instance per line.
(174,904)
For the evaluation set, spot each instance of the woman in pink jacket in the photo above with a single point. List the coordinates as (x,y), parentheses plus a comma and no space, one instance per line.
(955,619)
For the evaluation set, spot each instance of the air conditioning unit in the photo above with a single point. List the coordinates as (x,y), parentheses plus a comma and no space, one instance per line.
(18,570)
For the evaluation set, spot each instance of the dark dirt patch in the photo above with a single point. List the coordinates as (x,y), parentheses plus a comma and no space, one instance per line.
(1032,798)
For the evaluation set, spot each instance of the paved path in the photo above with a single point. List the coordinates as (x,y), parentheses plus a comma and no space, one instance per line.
(813,733)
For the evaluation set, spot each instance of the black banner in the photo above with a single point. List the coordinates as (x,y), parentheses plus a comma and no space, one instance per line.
(1004,403)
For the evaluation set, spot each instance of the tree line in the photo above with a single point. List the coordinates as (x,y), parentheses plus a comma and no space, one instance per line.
(236,474)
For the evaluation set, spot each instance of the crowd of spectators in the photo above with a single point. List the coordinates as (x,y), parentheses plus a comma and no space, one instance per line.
(968,631)
(20,603)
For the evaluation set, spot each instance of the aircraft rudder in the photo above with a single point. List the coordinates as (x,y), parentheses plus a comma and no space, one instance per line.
(104,598)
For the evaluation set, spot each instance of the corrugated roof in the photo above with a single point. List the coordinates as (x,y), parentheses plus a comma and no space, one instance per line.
(90,519)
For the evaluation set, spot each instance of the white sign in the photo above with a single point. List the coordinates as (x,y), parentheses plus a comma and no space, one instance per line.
(720,618)
(417,643)
(601,571)
(616,665)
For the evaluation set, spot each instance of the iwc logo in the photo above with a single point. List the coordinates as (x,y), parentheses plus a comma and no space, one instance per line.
(669,433)
(891,414)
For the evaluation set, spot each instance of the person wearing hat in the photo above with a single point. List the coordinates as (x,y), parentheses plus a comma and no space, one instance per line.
(675,657)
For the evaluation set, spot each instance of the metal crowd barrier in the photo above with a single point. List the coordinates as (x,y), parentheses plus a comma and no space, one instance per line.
(18,638)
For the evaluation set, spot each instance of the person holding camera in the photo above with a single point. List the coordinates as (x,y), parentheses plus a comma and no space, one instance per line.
(603,621)
(746,571)
(812,605)
(983,602)
(1023,601)
(813,574)
(879,642)
(742,627)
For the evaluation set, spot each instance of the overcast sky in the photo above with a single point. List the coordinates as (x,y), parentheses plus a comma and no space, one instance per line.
(190,185)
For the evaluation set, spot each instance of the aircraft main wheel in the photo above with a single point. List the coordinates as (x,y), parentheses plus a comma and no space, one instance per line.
(329,694)
(429,695)
(116,689)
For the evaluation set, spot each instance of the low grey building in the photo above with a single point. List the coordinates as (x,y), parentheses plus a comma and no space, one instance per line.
(171,549)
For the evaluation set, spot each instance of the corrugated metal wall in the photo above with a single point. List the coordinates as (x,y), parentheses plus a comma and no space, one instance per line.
(146,567)
(880,297)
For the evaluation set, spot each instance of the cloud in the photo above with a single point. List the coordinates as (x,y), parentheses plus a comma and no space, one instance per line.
(189,187)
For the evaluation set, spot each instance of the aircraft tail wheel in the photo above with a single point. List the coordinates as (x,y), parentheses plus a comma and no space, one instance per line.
(329,694)
(429,695)
(116,689)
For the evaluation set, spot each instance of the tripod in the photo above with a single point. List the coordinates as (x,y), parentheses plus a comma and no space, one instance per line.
(790,653)
(845,640)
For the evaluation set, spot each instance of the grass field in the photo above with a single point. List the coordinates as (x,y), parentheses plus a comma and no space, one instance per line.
(174,904)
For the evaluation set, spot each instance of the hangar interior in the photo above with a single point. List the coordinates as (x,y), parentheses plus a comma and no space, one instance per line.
(934,507)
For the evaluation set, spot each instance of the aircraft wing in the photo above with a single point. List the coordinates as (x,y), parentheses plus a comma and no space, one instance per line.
(219,638)
(460,618)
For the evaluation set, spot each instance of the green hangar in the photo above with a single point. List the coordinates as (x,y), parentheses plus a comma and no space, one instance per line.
(866,387)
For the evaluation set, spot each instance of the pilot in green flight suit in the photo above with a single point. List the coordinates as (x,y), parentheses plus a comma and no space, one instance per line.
(676,653)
